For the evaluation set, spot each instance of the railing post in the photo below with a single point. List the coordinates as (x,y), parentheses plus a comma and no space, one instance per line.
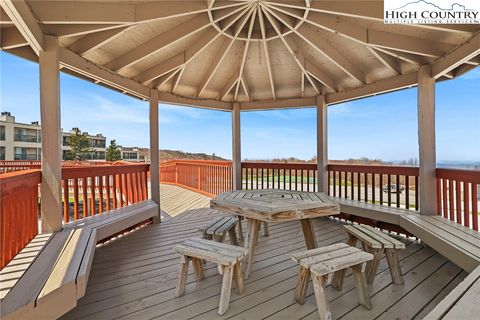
(322,149)
(236,148)
(51,186)
(154,152)
(426,140)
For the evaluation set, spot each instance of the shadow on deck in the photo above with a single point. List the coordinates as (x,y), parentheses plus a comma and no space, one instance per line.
(134,278)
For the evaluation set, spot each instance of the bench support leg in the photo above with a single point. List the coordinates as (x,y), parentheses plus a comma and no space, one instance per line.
(266,232)
(302,285)
(309,233)
(373,265)
(321,297)
(251,243)
(339,276)
(238,273)
(226,289)
(240,230)
(394,266)
(233,236)
(197,267)
(359,275)
(182,276)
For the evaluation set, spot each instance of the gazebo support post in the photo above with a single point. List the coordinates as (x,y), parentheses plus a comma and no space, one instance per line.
(322,147)
(154,152)
(51,186)
(236,148)
(426,140)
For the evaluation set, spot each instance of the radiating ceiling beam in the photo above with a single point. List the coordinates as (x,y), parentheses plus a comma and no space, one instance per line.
(86,12)
(19,13)
(222,53)
(163,40)
(160,69)
(92,41)
(289,48)
(266,53)
(389,62)
(229,85)
(321,76)
(164,78)
(461,54)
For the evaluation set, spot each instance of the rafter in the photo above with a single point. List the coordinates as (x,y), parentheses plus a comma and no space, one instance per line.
(165,78)
(83,12)
(19,13)
(245,88)
(321,76)
(223,52)
(95,40)
(245,51)
(160,69)
(232,81)
(289,48)
(391,63)
(265,50)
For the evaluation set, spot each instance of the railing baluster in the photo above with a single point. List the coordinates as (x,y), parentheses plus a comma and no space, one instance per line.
(458,201)
(107,187)
(466,205)
(474,207)
(397,181)
(365,179)
(381,188)
(451,200)
(359,184)
(334,183)
(352,182)
(416,192)
(100,194)
(65,201)
(373,188)
(340,184)
(75,199)
(85,197)
(389,189)
(93,209)
(407,192)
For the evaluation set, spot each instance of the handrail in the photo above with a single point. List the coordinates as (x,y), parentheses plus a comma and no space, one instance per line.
(18,211)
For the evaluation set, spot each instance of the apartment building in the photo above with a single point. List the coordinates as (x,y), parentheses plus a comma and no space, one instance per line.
(131,154)
(22,141)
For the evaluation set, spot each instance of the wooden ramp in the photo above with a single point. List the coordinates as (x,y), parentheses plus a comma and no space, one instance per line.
(175,200)
(134,278)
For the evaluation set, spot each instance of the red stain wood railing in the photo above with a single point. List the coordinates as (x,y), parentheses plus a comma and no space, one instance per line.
(384,185)
(18,211)
(207,177)
(458,196)
(96,189)
(18,165)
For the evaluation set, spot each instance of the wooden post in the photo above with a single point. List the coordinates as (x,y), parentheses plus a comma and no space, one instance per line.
(51,187)
(236,148)
(426,141)
(322,146)
(154,149)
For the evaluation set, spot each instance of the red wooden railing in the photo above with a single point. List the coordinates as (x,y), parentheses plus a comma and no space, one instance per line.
(458,196)
(18,211)
(96,189)
(18,165)
(204,176)
(384,185)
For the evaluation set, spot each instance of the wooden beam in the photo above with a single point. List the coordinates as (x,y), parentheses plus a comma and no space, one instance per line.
(51,186)
(19,12)
(160,69)
(426,141)
(11,38)
(74,62)
(322,145)
(236,148)
(76,30)
(381,86)
(307,102)
(154,151)
(265,51)
(201,103)
(460,55)
(229,85)
(389,62)
(321,76)
(92,41)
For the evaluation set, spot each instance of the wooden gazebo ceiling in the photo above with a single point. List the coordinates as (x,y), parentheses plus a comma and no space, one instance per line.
(242,51)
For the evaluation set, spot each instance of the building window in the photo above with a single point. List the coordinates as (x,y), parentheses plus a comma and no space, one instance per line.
(26,135)
(130,155)
(2,153)
(2,133)
(26,154)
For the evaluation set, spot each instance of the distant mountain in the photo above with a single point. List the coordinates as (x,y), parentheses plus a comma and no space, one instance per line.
(166,155)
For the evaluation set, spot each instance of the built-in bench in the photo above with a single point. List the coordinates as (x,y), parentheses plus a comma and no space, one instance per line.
(461,302)
(49,275)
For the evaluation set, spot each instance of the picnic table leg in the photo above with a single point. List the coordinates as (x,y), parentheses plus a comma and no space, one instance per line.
(250,244)
(309,233)
(394,266)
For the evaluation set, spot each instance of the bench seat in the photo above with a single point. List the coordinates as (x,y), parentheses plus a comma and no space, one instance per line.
(50,274)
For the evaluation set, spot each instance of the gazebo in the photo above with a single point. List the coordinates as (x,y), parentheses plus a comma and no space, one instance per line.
(237,56)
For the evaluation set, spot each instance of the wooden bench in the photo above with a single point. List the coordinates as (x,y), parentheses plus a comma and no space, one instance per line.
(218,228)
(379,244)
(320,262)
(457,243)
(228,256)
(462,302)
(50,274)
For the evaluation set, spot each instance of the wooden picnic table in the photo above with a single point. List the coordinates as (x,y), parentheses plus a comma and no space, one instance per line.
(269,205)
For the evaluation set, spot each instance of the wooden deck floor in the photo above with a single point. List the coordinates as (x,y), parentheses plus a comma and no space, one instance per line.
(175,200)
(134,278)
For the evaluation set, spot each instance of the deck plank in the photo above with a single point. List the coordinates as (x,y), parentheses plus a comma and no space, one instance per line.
(141,285)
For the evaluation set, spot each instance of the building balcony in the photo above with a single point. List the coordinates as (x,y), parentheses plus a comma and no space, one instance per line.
(27,138)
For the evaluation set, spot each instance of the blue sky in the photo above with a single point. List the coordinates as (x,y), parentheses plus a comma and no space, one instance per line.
(383,127)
